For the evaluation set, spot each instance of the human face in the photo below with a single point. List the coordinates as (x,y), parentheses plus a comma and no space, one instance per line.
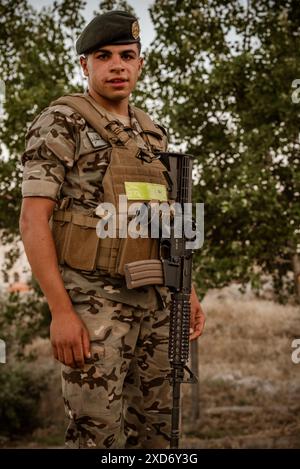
(112,72)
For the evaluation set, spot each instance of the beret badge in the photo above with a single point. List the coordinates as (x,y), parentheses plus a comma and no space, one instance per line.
(135,29)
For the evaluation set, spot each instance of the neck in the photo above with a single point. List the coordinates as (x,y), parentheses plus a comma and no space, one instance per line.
(115,107)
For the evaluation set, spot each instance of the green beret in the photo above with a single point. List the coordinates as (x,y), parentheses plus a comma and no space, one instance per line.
(113,27)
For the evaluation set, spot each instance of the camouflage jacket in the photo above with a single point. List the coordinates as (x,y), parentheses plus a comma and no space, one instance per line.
(64,161)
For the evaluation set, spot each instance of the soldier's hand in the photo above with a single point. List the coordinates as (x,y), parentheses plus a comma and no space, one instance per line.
(70,339)
(197,316)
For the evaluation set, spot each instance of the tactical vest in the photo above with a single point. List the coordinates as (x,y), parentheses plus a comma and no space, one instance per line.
(74,232)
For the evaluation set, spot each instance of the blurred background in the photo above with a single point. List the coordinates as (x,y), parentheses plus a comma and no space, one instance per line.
(224,78)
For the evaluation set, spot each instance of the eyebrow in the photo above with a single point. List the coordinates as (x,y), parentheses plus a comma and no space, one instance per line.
(121,52)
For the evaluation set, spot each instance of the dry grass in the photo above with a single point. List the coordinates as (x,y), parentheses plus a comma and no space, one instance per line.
(249,387)
(249,337)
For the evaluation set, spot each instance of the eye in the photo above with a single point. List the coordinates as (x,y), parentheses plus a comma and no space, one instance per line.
(102,56)
(127,56)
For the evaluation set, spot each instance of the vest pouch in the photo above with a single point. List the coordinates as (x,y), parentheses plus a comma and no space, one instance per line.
(59,231)
(107,257)
(76,240)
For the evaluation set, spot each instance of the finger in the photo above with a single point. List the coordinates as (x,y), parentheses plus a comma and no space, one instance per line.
(86,344)
(197,330)
(68,357)
(60,354)
(202,320)
(192,323)
(194,336)
(199,326)
(78,354)
(193,333)
(194,314)
(55,352)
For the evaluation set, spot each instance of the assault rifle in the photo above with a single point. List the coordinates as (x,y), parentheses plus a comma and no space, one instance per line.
(174,270)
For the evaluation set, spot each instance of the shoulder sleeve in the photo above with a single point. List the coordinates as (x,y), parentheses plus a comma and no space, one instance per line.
(50,151)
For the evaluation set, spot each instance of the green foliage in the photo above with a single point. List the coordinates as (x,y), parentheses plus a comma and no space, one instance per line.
(107,5)
(223,78)
(23,317)
(19,400)
(37,61)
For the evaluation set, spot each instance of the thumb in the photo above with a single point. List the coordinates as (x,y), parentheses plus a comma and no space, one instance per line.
(86,343)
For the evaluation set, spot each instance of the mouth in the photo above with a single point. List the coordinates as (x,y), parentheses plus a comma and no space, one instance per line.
(117,81)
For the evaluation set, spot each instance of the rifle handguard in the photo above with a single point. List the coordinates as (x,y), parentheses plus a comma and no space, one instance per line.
(140,273)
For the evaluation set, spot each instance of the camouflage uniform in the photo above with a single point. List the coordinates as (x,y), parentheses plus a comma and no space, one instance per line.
(123,386)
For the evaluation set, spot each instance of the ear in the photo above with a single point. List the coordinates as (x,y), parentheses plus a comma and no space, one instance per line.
(84,66)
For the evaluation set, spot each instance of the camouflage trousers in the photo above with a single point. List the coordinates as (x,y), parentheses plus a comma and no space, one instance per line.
(121,398)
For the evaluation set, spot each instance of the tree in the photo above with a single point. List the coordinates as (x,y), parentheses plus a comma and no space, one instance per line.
(223,73)
(37,66)
(107,5)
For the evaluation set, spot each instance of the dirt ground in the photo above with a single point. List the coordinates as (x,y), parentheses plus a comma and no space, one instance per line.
(248,391)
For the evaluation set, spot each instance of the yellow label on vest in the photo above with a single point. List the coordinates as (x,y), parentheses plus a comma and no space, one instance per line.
(145,191)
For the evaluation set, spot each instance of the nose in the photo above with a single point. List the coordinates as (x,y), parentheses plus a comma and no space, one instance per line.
(116,63)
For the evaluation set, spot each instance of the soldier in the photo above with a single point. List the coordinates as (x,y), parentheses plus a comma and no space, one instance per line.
(112,341)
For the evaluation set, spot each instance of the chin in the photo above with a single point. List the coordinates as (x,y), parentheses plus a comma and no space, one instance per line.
(118,96)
